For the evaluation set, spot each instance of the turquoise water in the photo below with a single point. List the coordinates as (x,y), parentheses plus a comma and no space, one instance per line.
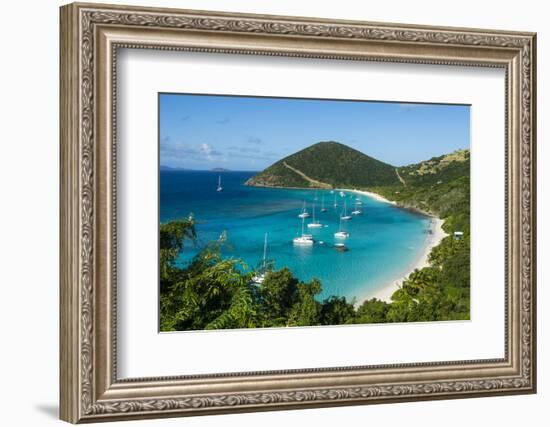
(384,241)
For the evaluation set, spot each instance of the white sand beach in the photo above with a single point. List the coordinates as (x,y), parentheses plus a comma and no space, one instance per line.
(374,196)
(433,239)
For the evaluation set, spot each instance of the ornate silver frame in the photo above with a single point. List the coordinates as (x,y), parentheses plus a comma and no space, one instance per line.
(90,36)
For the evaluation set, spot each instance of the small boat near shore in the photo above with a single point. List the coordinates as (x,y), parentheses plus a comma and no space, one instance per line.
(356,211)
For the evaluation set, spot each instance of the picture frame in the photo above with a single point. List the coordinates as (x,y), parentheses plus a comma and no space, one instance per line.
(91,35)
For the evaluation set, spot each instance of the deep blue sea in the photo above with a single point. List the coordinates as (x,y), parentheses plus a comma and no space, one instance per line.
(384,242)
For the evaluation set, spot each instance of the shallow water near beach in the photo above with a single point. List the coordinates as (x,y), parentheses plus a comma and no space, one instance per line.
(384,242)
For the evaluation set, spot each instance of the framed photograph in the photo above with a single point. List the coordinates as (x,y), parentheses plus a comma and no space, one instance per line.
(266,212)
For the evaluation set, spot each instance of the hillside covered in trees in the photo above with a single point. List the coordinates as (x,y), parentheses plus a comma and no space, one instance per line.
(439,186)
(327,165)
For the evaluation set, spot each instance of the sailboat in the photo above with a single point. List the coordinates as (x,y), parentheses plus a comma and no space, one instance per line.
(341,233)
(220,188)
(335,202)
(357,211)
(304,213)
(314,224)
(304,239)
(345,215)
(258,279)
(323,209)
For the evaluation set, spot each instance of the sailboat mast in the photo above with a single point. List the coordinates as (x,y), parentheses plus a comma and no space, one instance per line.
(265,249)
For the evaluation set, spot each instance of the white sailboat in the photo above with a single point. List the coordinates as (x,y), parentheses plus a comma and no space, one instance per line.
(335,202)
(220,188)
(304,213)
(314,224)
(258,279)
(323,209)
(345,215)
(342,194)
(357,211)
(341,233)
(303,239)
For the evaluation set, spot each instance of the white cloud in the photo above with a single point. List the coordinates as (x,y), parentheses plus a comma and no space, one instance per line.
(206,150)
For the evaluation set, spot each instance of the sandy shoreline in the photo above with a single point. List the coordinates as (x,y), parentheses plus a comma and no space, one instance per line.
(433,239)
(374,196)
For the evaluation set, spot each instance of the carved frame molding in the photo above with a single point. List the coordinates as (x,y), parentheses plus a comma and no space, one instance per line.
(90,37)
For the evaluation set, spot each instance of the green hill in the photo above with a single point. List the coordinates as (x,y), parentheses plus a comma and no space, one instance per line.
(440,186)
(326,165)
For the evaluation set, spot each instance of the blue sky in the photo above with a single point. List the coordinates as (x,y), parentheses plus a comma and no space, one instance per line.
(251,133)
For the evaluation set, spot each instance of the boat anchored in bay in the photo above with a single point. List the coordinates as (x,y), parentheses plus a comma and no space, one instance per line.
(303,239)
(345,216)
(314,224)
(341,233)
(357,210)
(323,209)
(304,213)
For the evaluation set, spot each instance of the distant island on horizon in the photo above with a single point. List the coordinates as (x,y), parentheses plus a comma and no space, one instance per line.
(165,168)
